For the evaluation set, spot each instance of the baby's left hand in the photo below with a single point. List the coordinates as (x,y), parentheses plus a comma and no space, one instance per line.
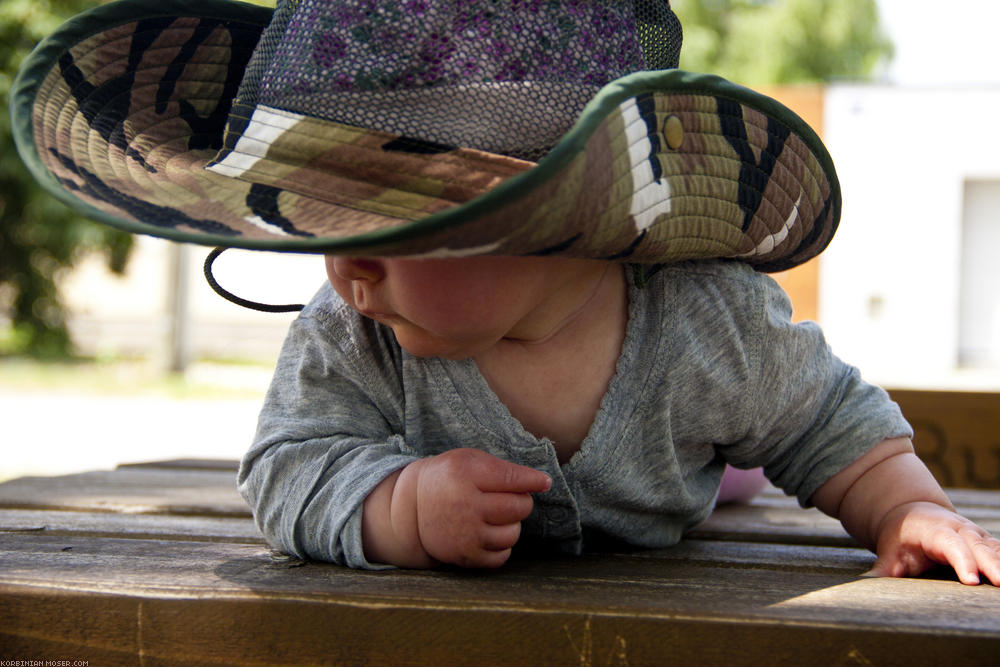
(914,537)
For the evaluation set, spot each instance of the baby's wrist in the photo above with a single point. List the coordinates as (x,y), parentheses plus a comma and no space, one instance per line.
(894,518)
(389,525)
(405,522)
(891,486)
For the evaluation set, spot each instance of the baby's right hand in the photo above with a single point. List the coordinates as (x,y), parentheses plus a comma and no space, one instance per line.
(470,505)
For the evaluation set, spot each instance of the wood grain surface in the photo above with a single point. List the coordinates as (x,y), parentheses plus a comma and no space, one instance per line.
(162,564)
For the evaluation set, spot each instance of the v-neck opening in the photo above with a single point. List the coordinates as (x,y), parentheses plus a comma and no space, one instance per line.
(479,399)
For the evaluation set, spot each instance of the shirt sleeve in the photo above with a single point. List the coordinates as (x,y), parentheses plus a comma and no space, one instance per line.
(809,414)
(328,433)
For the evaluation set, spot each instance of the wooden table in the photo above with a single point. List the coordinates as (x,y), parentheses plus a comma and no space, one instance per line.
(161,564)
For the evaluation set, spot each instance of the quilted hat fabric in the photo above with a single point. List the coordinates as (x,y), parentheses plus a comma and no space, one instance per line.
(127,113)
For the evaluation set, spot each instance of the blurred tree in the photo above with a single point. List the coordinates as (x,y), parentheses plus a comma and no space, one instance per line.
(39,237)
(758,42)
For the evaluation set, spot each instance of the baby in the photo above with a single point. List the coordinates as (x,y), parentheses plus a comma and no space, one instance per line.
(430,411)
(513,346)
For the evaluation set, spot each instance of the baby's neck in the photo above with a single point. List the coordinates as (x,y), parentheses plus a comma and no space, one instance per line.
(553,383)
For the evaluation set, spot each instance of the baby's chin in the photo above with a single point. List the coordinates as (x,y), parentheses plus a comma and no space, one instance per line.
(420,343)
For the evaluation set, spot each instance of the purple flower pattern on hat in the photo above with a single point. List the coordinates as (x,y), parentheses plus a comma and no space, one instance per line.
(368,45)
(504,76)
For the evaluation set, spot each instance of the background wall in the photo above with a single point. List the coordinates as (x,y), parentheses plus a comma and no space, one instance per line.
(919,169)
(134,315)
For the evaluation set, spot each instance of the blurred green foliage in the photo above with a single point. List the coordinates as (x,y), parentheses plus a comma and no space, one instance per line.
(758,42)
(39,237)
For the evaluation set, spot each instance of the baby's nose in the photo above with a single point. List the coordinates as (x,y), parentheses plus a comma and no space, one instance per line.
(358,268)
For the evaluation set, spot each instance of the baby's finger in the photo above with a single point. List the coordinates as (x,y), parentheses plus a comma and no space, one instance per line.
(503,476)
(487,559)
(880,569)
(500,538)
(898,563)
(987,554)
(958,553)
(499,509)
(480,559)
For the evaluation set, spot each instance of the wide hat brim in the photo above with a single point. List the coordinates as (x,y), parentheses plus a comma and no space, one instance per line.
(121,114)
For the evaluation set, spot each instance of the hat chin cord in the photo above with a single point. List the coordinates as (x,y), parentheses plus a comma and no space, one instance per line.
(240,301)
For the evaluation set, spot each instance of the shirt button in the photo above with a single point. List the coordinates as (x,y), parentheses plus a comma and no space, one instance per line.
(557,514)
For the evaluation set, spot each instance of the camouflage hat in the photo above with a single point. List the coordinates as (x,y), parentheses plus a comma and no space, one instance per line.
(419,127)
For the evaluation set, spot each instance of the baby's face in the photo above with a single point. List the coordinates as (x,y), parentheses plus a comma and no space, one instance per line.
(453,308)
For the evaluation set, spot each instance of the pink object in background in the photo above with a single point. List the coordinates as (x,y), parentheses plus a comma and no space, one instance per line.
(739,486)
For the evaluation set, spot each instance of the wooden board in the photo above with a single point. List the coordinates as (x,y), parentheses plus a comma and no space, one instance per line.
(141,526)
(227,465)
(956,433)
(775,517)
(209,602)
(161,564)
(131,489)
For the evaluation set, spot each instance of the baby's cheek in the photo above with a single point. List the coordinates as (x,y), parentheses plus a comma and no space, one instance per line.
(345,290)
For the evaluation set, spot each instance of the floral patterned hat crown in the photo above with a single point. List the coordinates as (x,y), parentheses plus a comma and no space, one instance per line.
(505,76)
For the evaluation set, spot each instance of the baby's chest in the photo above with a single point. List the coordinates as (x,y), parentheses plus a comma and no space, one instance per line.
(558,402)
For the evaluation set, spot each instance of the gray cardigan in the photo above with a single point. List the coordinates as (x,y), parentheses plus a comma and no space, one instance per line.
(712,371)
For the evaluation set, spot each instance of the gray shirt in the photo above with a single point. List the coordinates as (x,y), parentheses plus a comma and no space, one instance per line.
(712,371)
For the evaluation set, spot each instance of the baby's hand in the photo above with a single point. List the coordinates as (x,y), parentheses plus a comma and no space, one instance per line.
(915,536)
(470,505)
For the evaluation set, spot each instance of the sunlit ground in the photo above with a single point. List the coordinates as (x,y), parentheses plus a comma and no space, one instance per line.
(61,418)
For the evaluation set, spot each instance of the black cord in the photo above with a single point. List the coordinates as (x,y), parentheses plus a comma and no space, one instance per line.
(246,303)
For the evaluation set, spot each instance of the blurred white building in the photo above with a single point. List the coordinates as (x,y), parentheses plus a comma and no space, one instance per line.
(139,314)
(910,287)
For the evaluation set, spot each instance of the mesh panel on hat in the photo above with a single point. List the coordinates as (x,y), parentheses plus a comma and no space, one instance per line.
(505,76)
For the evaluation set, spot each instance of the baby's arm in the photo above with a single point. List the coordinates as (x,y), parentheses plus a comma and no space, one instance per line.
(463,507)
(890,502)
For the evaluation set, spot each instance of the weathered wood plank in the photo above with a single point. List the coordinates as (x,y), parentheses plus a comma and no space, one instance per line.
(967,498)
(183,583)
(957,433)
(130,490)
(761,523)
(161,567)
(973,498)
(193,492)
(211,603)
(772,517)
(163,631)
(230,465)
(135,526)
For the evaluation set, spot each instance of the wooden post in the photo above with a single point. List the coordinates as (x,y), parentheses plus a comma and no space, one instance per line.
(178,308)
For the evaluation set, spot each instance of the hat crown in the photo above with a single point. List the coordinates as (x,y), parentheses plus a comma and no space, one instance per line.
(507,76)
